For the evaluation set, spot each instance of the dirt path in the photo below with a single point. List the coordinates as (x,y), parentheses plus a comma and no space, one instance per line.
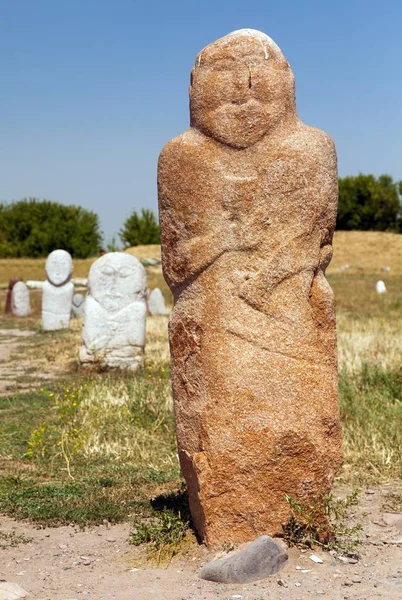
(67,564)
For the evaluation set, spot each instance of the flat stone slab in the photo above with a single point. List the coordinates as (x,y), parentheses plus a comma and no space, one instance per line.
(263,557)
(393,520)
(11,591)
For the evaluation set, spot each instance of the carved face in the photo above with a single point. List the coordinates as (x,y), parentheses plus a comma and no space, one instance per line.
(59,267)
(116,280)
(241,87)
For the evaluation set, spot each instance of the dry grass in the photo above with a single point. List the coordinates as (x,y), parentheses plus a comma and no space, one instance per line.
(151,251)
(34,268)
(367,250)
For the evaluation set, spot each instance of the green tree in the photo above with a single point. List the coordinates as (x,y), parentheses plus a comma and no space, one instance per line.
(33,228)
(140,229)
(368,203)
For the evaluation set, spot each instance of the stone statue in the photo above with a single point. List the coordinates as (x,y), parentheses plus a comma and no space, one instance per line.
(156,303)
(20,302)
(57,291)
(113,334)
(78,306)
(248,199)
(11,284)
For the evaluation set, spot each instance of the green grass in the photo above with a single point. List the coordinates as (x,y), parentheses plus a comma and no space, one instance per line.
(371,413)
(89,450)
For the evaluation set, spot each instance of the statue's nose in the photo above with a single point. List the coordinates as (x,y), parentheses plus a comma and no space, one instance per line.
(241,88)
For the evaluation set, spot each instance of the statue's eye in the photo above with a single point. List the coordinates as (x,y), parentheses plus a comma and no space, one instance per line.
(124,272)
(108,270)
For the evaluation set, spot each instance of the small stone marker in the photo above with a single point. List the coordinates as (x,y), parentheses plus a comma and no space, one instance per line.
(156,303)
(20,302)
(113,334)
(248,199)
(259,559)
(57,291)
(11,284)
(380,287)
(78,306)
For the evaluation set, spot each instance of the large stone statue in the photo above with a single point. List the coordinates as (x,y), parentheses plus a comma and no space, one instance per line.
(248,198)
(57,291)
(113,334)
(20,301)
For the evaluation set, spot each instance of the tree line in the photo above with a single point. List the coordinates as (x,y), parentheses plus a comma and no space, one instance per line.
(33,228)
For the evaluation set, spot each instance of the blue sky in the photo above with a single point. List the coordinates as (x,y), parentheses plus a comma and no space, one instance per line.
(91,90)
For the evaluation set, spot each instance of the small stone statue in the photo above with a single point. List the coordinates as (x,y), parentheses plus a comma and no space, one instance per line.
(156,303)
(113,334)
(57,291)
(20,302)
(11,284)
(78,306)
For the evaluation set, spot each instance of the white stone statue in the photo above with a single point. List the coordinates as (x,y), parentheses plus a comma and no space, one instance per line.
(113,334)
(20,302)
(78,307)
(58,291)
(380,287)
(156,303)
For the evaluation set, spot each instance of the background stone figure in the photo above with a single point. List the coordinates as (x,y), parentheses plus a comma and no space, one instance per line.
(156,303)
(57,291)
(11,284)
(78,306)
(248,199)
(20,301)
(115,312)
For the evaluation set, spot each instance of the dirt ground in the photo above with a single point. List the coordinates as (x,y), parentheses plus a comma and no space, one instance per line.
(65,563)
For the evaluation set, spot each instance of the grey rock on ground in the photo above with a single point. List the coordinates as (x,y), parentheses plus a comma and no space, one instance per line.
(11,591)
(261,558)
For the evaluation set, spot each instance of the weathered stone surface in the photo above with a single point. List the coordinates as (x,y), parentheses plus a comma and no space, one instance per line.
(57,291)
(248,198)
(115,312)
(78,306)
(20,302)
(257,560)
(11,591)
(11,284)
(156,303)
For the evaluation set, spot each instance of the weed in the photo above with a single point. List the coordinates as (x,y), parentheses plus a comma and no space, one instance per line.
(392,502)
(164,527)
(9,539)
(308,527)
